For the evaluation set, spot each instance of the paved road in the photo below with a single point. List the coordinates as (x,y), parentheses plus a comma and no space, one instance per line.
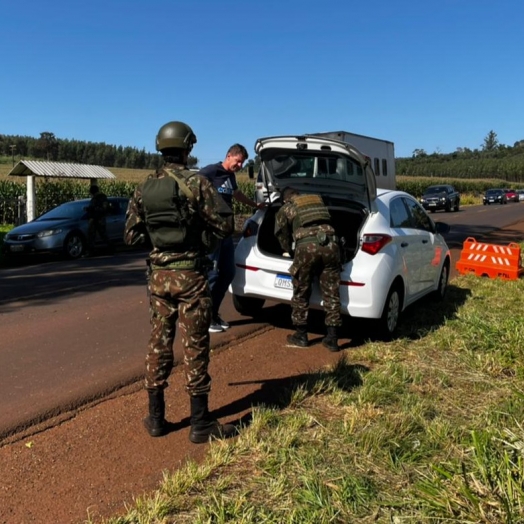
(76,330)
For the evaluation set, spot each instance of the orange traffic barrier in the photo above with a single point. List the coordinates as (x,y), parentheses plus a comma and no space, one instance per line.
(490,260)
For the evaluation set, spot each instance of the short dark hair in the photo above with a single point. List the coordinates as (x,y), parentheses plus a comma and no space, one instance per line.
(93,189)
(174,155)
(238,149)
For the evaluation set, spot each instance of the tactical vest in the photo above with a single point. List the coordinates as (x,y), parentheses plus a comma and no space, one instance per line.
(311,210)
(170,221)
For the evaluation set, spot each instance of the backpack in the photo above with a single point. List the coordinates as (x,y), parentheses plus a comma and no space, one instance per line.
(168,214)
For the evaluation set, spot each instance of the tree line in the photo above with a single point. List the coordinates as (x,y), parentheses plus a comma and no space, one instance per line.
(49,147)
(492,160)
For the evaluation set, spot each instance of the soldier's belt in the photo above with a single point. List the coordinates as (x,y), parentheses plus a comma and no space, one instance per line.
(180,264)
(321,239)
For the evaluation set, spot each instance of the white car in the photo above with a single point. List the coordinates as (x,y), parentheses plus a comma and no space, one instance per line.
(393,253)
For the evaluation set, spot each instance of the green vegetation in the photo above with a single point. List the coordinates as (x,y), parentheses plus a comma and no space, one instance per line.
(427,428)
(492,160)
(49,147)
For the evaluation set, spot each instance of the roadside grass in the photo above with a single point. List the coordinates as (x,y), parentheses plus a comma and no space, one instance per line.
(426,428)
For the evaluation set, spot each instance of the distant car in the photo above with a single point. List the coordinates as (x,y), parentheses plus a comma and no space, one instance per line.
(393,253)
(63,229)
(520,193)
(495,196)
(443,196)
(511,195)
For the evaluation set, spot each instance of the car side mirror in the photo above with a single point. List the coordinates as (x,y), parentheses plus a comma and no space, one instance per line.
(250,171)
(442,228)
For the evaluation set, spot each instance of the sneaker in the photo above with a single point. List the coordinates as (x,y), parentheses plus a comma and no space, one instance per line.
(215,327)
(223,323)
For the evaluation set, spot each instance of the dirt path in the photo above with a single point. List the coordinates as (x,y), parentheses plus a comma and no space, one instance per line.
(96,460)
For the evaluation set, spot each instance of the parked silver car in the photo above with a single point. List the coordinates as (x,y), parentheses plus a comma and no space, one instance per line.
(63,229)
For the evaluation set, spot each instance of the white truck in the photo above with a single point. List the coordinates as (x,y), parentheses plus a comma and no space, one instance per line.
(380,152)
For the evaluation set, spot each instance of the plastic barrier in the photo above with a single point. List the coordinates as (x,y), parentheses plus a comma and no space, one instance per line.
(490,260)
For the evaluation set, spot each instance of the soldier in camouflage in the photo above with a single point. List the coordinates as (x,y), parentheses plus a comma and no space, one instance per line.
(303,228)
(96,213)
(180,213)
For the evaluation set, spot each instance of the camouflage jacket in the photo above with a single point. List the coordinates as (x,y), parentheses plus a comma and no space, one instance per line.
(284,228)
(216,217)
(98,206)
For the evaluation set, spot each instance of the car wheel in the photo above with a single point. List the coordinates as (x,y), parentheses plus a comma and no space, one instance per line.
(74,245)
(440,292)
(447,208)
(248,306)
(388,322)
(457,205)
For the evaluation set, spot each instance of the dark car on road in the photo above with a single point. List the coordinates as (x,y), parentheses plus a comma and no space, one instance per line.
(63,229)
(443,196)
(495,196)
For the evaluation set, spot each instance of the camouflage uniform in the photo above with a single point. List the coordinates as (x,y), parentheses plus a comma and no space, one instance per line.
(316,254)
(96,212)
(178,286)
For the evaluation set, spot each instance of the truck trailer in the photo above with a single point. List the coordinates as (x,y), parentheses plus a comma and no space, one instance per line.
(380,152)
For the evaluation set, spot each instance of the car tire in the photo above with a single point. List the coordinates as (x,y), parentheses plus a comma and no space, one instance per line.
(443,280)
(74,245)
(447,207)
(248,306)
(457,205)
(388,322)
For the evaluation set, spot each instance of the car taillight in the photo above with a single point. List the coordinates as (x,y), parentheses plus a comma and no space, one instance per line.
(250,229)
(372,244)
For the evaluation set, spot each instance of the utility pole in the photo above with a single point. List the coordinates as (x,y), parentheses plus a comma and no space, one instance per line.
(13,148)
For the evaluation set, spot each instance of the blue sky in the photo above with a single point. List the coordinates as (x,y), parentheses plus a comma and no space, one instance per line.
(425,74)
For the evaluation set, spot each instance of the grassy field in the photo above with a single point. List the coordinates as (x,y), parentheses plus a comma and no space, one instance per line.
(425,429)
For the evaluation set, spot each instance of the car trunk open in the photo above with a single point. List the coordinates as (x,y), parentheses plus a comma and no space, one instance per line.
(347,219)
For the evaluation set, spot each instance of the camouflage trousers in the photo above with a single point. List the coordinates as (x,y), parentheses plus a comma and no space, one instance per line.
(314,260)
(183,296)
(96,226)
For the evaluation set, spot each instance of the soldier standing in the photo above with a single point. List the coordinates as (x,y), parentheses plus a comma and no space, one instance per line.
(303,228)
(96,214)
(181,214)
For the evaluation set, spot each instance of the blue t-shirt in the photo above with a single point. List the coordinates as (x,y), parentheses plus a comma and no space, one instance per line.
(224,181)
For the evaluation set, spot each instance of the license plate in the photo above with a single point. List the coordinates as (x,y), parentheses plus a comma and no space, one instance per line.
(432,204)
(16,248)
(284,281)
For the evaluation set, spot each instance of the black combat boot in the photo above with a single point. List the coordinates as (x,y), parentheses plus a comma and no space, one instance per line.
(298,338)
(203,426)
(331,340)
(155,422)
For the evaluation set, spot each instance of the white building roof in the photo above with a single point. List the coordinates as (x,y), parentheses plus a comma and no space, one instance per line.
(59,170)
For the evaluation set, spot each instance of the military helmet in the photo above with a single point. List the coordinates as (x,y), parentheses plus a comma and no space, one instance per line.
(175,135)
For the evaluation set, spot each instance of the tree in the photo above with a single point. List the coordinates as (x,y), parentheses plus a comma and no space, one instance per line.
(491,142)
(419,153)
(47,145)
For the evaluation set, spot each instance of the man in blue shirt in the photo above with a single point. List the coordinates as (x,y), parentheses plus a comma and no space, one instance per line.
(222,176)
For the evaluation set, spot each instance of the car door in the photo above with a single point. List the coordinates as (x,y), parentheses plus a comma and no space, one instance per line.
(115,218)
(427,245)
(407,239)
